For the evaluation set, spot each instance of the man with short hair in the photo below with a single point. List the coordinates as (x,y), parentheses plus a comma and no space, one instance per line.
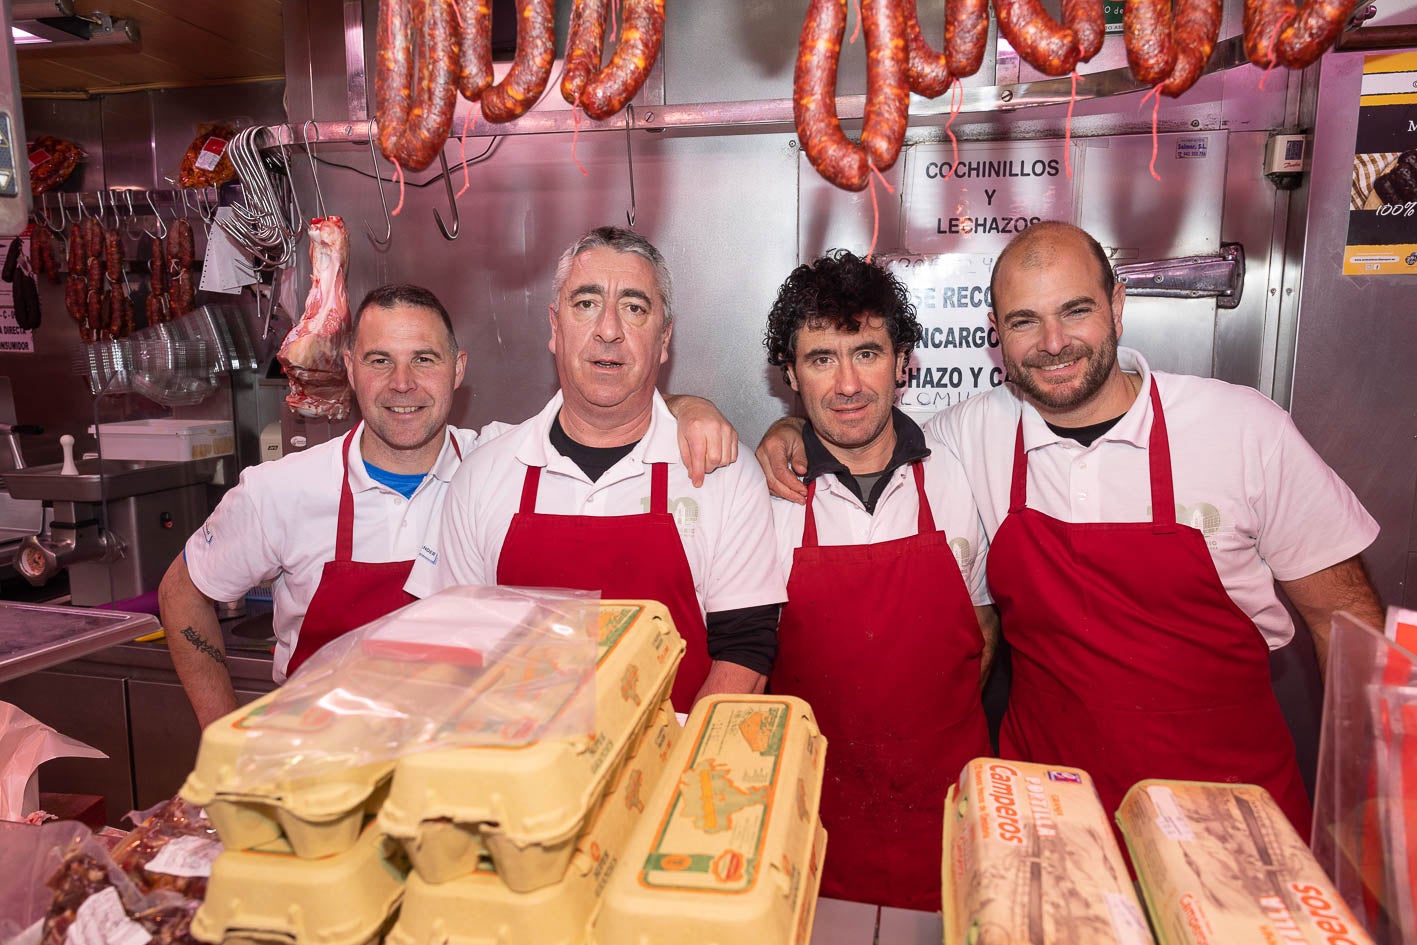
(591,492)
(336,527)
(887,626)
(1139,523)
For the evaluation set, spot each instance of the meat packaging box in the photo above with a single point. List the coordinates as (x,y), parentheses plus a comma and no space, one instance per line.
(1220,863)
(479,909)
(526,806)
(317,818)
(1030,857)
(165,438)
(730,847)
(271,895)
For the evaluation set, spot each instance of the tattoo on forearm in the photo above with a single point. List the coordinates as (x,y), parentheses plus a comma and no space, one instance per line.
(202,646)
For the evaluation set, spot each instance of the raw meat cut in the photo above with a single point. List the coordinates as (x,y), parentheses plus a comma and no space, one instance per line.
(313,352)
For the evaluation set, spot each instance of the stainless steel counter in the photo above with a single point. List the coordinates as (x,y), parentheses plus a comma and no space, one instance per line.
(37,636)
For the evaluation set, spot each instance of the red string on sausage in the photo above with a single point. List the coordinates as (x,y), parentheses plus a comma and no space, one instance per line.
(614,25)
(1155,111)
(876,210)
(457,12)
(1068,128)
(575,134)
(398,175)
(1284,21)
(462,151)
(856,5)
(956,103)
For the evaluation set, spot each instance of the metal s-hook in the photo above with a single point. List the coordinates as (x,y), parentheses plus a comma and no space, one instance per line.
(161,227)
(630,162)
(383,201)
(310,153)
(42,214)
(452,202)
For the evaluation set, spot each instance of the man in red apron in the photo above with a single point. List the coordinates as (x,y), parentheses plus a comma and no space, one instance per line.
(591,492)
(1139,525)
(880,632)
(336,527)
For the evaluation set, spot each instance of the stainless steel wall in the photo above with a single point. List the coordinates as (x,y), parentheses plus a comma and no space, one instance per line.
(1354,378)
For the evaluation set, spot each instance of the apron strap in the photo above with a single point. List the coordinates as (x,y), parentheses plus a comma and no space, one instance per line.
(658,488)
(927,519)
(809,523)
(1163,494)
(529,484)
(344,524)
(1018,492)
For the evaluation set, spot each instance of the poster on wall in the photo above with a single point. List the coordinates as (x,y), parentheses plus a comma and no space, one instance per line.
(959,355)
(977,199)
(13,338)
(1382,201)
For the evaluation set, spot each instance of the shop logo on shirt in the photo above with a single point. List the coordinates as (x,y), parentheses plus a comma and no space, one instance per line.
(685,512)
(960,547)
(428,554)
(1203,517)
(207,532)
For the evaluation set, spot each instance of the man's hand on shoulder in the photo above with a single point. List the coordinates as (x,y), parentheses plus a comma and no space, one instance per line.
(707,441)
(783,459)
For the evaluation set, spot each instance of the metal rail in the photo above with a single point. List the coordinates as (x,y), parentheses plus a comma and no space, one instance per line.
(766,115)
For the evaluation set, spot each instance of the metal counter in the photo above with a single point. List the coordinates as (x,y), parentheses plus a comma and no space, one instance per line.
(36,636)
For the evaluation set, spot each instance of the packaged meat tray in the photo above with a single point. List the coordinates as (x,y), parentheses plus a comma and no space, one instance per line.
(1220,863)
(271,895)
(525,806)
(730,847)
(479,909)
(318,818)
(1030,857)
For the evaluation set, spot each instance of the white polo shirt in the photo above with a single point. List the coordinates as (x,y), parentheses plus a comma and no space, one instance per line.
(278,524)
(842,518)
(725,525)
(1269,507)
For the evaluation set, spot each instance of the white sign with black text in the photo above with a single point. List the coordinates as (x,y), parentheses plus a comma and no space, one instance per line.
(13,338)
(959,353)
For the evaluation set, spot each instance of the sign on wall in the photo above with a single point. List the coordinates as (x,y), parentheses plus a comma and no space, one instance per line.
(978,199)
(1382,203)
(13,338)
(959,354)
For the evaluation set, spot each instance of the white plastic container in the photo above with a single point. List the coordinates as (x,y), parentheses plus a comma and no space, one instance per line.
(165,439)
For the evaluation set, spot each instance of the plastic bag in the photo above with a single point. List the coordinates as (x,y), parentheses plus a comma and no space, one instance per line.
(171,849)
(52,160)
(467,666)
(206,163)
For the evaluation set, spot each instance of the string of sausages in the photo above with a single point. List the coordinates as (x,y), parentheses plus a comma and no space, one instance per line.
(428,52)
(1167,48)
(96,294)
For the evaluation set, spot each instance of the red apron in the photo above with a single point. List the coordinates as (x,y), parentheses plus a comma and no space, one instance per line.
(1129,658)
(622,556)
(350,593)
(893,678)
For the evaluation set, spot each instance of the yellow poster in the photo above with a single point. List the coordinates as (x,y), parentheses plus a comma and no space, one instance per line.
(1382,207)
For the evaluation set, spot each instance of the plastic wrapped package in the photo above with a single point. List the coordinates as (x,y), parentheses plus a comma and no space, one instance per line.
(171,849)
(206,163)
(730,846)
(1030,857)
(1221,863)
(1365,797)
(525,806)
(480,909)
(271,895)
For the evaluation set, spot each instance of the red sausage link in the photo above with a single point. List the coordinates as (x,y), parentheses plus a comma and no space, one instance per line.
(585,45)
(641,35)
(887,87)
(1197,29)
(436,92)
(1086,19)
(1146,26)
(393,82)
(1261,23)
(966,35)
(1040,40)
(835,156)
(1312,33)
(536,51)
(475,42)
(928,71)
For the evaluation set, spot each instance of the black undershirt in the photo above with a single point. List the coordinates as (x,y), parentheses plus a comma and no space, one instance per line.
(1086,435)
(746,636)
(869,487)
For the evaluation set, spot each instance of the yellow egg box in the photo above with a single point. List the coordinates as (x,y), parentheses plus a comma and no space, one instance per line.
(730,847)
(478,908)
(526,806)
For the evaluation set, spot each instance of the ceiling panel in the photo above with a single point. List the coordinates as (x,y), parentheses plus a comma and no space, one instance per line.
(184,42)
